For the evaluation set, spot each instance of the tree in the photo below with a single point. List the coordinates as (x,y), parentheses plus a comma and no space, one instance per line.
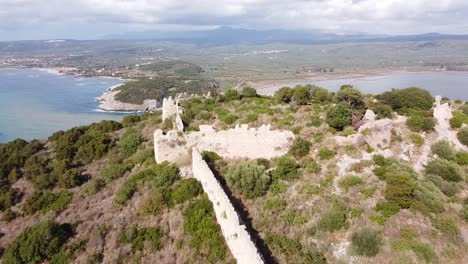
(249,92)
(351,96)
(284,94)
(320,95)
(248,178)
(339,116)
(412,97)
(301,95)
(366,242)
(462,135)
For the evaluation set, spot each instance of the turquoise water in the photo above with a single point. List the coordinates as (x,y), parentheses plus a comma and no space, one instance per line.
(35,103)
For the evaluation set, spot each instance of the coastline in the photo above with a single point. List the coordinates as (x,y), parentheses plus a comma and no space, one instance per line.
(108,103)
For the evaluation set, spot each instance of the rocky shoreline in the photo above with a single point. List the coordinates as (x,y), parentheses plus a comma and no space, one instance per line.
(108,103)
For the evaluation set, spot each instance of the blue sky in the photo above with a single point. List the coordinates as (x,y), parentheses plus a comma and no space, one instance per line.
(90,19)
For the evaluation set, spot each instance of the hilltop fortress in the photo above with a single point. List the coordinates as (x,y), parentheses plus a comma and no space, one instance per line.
(239,142)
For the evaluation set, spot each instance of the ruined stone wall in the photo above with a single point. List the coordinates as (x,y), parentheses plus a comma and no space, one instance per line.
(243,142)
(234,232)
(170,107)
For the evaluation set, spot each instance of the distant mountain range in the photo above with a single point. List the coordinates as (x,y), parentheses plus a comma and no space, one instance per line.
(228,35)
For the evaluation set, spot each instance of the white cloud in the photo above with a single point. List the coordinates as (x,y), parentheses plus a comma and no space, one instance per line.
(376,16)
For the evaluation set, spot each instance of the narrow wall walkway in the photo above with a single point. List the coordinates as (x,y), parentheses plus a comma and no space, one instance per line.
(236,236)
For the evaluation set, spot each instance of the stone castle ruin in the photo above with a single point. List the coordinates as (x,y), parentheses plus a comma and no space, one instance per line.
(238,142)
(170,108)
(235,233)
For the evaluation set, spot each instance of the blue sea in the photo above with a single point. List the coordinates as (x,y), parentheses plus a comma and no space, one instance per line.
(37,103)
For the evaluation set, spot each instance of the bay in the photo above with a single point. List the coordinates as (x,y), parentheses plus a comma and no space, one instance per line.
(37,103)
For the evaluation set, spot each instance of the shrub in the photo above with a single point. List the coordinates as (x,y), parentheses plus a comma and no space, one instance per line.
(130,142)
(185,190)
(284,244)
(447,226)
(428,198)
(458,119)
(284,94)
(310,165)
(231,95)
(443,149)
(138,236)
(37,243)
(314,256)
(448,188)
(249,92)
(46,201)
(383,111)
(248,178)
(278,187)
(339,116)
(462,135)
(200,224)
(114,171)
(8,216)
(326,154)
(300,147)
(420,123)
(287,169)
(350,181)
(94,185)
(130,120)
(301,95)
(461,158)
(399,188)
(366,242)
(229,118)
(407,98)
(448,170)
(161,175)
(333,219)
(154,204)
(275,204)
(210,156)
(417,139)
(71,178)
(8,197)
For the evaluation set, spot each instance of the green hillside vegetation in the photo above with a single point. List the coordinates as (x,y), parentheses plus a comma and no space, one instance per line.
(104,199)
(135,92)
(173,68)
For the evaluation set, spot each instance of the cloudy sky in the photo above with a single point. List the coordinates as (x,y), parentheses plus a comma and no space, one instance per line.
(90,19)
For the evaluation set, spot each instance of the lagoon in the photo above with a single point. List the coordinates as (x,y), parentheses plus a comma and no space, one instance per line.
(453,85)
(37,103)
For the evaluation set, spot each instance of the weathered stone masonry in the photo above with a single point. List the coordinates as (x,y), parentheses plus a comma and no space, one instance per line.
(234,232)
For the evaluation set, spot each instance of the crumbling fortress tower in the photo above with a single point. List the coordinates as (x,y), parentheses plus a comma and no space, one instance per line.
(239,142)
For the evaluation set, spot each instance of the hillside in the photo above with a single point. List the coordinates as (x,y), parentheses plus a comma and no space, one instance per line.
(381,186)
